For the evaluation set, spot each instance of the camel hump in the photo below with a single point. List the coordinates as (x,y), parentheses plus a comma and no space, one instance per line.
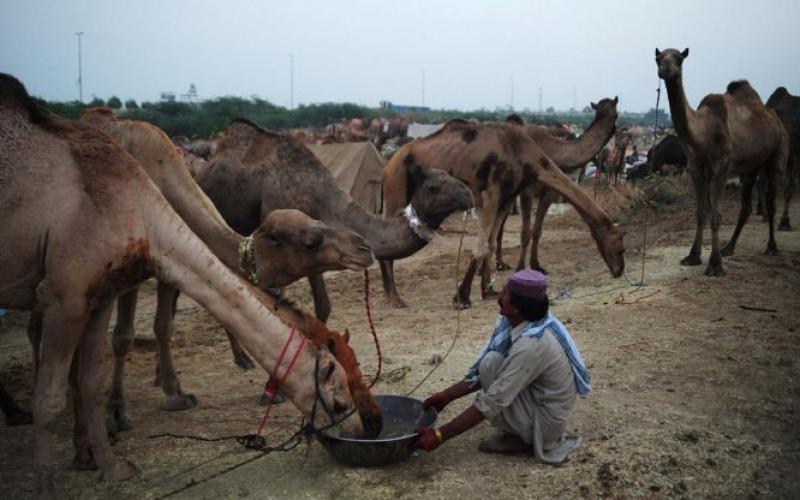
(14,95)
(99,112)
(741,89)
(713,101)
(515,118)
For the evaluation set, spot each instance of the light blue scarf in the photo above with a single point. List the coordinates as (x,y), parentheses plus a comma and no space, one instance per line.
(500,341)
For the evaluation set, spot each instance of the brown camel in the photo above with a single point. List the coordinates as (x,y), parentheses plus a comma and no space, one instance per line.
(70,251)
(729,134)
(787,106)
(255,172)
(569,155)
(497,161)
(286,247)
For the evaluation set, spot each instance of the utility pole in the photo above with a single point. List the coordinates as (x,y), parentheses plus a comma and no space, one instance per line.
(540,99)
(512,93)
(291,80)
(423,87)
(79,34)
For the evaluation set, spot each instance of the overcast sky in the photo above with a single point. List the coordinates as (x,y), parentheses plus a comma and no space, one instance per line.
(470,51)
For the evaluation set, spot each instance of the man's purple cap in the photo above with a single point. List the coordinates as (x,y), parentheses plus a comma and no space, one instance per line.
(528,283)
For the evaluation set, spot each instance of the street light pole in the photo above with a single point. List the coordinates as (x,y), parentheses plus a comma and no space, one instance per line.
(79,34)
(291,81)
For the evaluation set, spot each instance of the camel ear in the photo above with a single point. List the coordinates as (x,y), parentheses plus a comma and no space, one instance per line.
(593,105)
(346,336)
(685,53)
(658,53)
(616,99)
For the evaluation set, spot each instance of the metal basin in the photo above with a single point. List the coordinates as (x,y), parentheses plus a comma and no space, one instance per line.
(401,415)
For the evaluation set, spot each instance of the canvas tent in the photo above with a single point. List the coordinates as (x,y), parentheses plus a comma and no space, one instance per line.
(356,168)
(420,130)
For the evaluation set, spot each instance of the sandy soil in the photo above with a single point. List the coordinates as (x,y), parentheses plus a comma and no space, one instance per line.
(693,395)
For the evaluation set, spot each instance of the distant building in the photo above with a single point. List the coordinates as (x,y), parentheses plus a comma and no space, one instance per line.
(402,108)
(168,96)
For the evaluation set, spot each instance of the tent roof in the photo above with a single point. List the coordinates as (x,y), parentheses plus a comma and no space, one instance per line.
(357,168)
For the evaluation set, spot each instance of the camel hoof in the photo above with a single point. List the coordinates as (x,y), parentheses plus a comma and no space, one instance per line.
(784,224)
(117,422)
(276,398)
(727,250)
(19,418)
(119,470)
(539,268)
(691,260)
(489,294)
(715,270)
(396,302)
(460,304)
(242,360)
(179,402)
(771,250)
(84,461)
(501,266)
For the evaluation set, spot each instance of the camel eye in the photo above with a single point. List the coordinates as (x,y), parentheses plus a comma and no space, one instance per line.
(313,244)
(329,373)
(434,189)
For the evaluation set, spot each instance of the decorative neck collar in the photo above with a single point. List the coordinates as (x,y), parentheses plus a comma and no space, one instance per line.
(417,226)
(247,259)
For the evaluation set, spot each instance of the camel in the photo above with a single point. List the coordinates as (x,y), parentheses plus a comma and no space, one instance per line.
(787,107)
(68,252)
(729,134)
(255,172)
(286,246)
(617,166)
(671,150)
(497,161)
(569,155)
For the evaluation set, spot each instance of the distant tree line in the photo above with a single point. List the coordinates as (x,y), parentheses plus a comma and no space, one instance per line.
(202,119)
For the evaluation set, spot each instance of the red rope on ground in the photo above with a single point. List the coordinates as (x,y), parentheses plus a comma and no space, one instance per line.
(274,386)
(372,328)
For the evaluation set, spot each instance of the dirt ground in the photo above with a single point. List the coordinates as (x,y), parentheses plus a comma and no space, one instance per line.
(694,396)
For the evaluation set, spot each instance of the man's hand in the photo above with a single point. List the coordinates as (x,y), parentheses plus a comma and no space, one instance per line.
(429,439)
(437,400)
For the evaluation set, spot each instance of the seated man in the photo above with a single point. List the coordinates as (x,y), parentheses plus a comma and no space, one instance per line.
(528,376)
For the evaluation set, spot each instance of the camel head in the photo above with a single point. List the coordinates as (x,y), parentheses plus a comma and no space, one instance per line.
(326,399)
(289,245)
(611,246)
(436,194)
(606,107)
(669,63)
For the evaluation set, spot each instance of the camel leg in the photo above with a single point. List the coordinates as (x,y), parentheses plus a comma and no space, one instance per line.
(748,180)
(83,459)
(240,357)
(500,265)
(487,293)
(701,197)
(162,327)
(14,414)
(793,169)
(63,325)
(541,210)
(121,341)
(389,289)
(35,338)
(771,172)
(715,189)
(461,300)
(91,378)
(760,187)
(526,206)
(322,304)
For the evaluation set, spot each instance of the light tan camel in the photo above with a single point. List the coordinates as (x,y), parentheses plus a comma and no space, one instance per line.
(69,251)
(569,155)
(497,161)
(729,134)
(787,106)
(255,172)
(285,247)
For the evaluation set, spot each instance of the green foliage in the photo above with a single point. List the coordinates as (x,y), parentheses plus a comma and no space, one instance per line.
(96,101)
(114,102)
(203,119)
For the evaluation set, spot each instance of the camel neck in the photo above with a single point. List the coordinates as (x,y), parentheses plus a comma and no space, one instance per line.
(390,238)
(682,114)
(570,155)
